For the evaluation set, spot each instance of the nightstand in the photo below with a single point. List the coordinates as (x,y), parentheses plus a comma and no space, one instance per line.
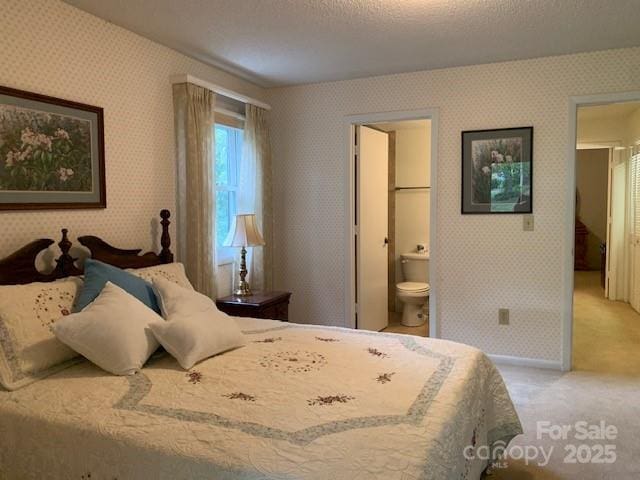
(271,305)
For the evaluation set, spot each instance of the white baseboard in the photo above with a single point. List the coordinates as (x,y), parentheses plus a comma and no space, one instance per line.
(526,362)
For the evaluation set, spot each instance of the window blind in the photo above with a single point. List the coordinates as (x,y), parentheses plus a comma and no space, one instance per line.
(635,193)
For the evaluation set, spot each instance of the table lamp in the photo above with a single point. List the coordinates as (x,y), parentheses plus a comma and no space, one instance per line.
(244,233)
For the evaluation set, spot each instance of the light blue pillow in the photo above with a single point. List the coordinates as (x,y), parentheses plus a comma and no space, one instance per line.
(96,276)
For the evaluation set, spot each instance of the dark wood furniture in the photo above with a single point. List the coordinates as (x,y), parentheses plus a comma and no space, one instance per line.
(20,268)
(580,250)
(603,265)
(270,305)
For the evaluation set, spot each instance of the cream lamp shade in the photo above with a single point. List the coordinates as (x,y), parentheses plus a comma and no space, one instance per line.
(244,232)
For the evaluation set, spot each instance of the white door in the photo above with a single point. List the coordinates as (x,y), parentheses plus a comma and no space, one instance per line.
(371,217)
(609,267)
(617,271)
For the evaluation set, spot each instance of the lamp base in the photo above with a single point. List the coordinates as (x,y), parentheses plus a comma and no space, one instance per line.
(243,289)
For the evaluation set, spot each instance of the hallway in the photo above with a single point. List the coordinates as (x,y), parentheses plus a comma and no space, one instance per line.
(606,334)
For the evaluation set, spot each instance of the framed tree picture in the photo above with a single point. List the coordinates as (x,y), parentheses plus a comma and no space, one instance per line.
(497,171)
(51,153)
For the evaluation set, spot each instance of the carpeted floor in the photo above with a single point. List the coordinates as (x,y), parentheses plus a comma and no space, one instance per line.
(564,399)
(604,386)
(606,334)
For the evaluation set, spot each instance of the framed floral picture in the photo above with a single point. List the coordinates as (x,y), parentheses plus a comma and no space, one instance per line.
(51,153)
(497,171)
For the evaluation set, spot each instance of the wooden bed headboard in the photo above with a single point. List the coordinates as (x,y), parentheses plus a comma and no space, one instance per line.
(20,266)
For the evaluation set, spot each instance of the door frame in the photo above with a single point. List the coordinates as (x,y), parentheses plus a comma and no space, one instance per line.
(570,200)
(350,121)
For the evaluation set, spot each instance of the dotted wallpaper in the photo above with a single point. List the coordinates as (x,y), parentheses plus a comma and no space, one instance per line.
(485,262)
(52,48)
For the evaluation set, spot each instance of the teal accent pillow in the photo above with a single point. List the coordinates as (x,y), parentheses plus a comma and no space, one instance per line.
(96,276)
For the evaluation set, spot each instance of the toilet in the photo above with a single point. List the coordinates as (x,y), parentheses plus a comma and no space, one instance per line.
(413,292)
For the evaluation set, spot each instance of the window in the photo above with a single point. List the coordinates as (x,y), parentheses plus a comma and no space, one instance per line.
(228,150)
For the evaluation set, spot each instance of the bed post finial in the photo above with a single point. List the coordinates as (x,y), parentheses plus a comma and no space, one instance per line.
(65,243)
(65,264)
(165,239)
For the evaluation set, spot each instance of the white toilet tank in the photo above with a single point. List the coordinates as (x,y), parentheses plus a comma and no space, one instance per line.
(415,267)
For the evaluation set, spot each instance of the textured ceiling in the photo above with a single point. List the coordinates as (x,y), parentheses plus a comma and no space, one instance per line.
(283,42)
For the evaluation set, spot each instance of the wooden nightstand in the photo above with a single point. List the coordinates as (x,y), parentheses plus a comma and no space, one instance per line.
(271,305)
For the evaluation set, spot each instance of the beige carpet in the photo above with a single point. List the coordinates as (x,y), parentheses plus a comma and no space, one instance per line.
(564,399)
(604,386)
(606,334)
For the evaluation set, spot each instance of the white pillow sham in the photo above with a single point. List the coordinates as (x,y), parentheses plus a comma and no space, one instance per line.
(112,331)
(170,271)
(28,348)
(195,329)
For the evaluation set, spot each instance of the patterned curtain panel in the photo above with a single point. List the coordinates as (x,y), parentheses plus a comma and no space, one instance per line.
(194,119)
(254,193)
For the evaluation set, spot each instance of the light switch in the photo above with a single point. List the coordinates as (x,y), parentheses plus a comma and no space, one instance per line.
(527,223)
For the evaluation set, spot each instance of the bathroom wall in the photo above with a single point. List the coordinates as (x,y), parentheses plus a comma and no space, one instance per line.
(413,167)
(591,182)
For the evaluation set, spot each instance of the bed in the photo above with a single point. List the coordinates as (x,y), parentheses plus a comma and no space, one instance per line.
(296,402)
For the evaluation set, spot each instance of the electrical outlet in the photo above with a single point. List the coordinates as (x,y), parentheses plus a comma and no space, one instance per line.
(527,223)
(503,316)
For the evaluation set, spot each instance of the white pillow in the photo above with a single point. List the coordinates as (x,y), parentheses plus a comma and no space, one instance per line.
(171,271)
(195,329)
(28,348)
(112,331)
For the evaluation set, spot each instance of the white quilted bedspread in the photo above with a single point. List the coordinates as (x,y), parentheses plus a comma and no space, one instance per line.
(298,402)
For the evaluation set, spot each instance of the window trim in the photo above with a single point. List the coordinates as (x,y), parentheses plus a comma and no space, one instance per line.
(226,255)
(229,119)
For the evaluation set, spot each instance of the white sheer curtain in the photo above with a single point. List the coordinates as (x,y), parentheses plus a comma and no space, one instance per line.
(254,193)
(194,120)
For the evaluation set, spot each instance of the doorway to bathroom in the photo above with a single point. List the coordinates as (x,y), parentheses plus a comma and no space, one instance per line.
(391,230)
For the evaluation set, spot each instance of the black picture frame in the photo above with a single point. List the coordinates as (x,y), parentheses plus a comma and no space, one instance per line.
(497,171)
(52,175)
